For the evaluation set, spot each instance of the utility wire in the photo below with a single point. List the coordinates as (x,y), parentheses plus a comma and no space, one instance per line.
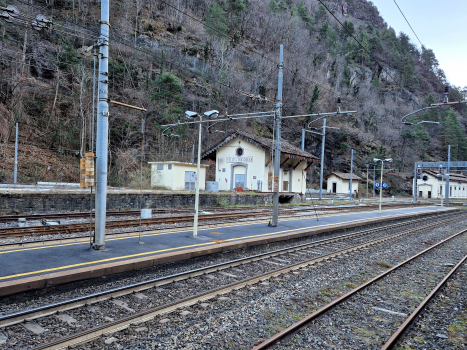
(413,31)
(363,47)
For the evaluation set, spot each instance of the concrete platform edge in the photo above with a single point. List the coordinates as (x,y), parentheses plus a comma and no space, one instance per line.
(58,278)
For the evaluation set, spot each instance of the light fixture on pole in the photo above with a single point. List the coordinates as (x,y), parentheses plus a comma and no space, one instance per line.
(381,183)
(192,115)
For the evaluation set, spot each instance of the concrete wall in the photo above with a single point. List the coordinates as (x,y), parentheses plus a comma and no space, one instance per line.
(22,203)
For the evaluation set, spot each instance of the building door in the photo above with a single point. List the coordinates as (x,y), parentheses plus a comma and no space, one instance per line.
(334,187)
(429,194)
(420,194)
(190,180)
(240,181)
(440,191)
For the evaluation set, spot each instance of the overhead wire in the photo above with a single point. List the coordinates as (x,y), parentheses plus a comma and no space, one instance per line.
(363,47)
(413,31)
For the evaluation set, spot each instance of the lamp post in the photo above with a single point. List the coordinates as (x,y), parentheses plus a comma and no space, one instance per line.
(381,183)
(192,115)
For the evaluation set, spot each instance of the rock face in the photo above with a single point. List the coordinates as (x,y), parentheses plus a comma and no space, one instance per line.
(360,9)
(41,59)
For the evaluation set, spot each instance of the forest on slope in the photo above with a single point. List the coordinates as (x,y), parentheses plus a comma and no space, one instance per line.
(173,56)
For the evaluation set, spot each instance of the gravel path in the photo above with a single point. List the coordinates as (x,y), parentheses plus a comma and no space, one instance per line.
(368,319)
(443,324)
(241,319)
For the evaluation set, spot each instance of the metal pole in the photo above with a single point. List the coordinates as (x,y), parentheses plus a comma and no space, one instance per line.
(277,150)
(102,129)
(367,170)
(195,222)
(93,102)
(323,140)
(16,156)
(415,183)
(374,180)
(447,177)
(303,139)
(351,172)
(381,187)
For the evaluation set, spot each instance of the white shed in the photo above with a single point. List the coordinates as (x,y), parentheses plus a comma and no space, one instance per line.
(177,175)
(340,183)
(430,186)
(245,160)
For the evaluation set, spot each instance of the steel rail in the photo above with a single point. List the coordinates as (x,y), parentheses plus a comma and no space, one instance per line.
(149,314)
(396,335)
(77,302)
(84,227)
(10,218)
(303,322)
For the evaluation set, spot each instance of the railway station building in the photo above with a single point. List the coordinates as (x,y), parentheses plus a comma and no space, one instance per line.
(430,186)
(246,161)
(340,183)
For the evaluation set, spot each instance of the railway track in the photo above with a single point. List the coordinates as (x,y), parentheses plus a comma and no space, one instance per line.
(386,286)
(86,215)
(92,316)
(114,224)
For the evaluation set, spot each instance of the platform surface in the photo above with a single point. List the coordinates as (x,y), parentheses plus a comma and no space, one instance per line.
(38,260)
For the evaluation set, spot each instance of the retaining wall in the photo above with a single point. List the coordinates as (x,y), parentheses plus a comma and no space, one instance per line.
(19,203)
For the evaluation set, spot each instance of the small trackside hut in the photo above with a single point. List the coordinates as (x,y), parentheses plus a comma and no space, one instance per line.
(339,183)
(177,176)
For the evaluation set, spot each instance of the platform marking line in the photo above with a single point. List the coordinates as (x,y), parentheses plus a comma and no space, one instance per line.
(163,250)
(101,261)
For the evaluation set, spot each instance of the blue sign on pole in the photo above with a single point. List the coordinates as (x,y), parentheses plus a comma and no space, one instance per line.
(377,185)
(385,185)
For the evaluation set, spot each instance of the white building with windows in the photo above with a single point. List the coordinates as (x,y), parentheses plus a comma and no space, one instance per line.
(430,186)
(177,176)
(340,183)
(245,160)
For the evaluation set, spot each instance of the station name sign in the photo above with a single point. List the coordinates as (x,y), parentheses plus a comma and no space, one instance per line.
(239,159)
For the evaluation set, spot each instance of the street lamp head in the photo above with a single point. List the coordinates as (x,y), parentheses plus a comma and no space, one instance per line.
(376,160)
(212,114)
(407,123)
(388,160)
(190,114)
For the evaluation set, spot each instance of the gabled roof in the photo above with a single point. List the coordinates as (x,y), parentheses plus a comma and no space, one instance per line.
(288,150)
(452,177)
(345,176)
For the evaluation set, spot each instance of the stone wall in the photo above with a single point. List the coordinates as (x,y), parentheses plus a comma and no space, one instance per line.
(28,203)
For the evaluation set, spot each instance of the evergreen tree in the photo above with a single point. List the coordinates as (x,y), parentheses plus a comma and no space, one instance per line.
(314,98)
(454,135)
(216,22)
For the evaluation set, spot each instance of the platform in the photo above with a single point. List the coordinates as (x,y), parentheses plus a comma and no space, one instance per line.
(36,266)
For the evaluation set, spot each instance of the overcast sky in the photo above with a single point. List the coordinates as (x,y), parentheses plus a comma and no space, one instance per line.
(440,26)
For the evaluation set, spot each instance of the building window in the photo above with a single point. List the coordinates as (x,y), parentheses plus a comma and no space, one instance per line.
(223,170)
(169,166)
(160,166)
(239,152)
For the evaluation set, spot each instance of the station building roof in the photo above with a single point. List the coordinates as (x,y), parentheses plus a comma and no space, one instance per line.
(287,150)
(345,176)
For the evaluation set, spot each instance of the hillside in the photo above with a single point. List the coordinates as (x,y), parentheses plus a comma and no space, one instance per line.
(172,56)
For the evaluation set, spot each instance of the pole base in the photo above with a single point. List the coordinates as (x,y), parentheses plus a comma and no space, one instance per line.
(271,224)
(98,247)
